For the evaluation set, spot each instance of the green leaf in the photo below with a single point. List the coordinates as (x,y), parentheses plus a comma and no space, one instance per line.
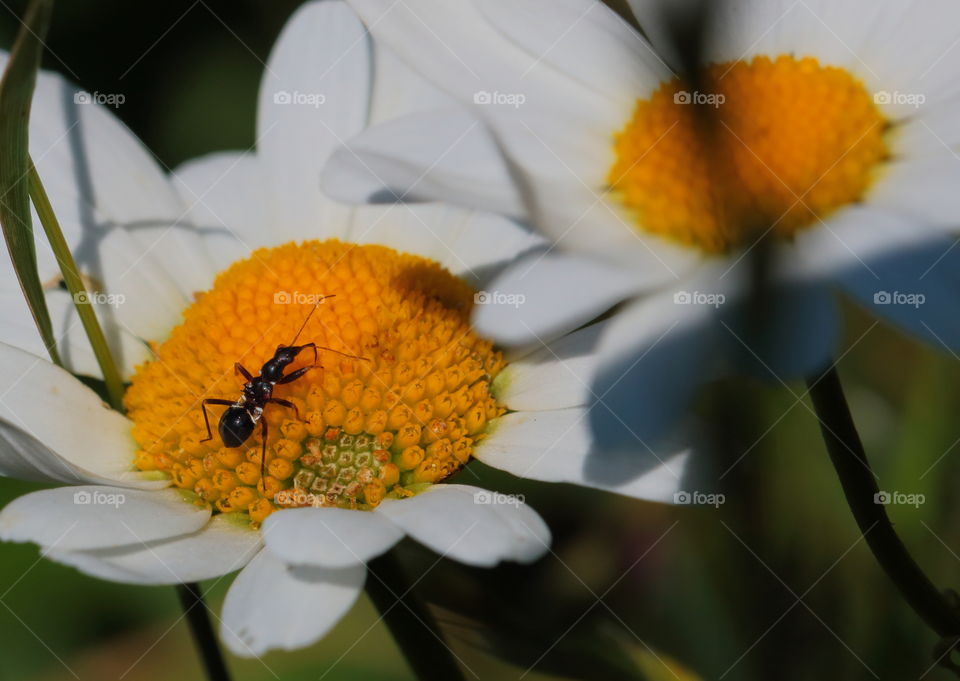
(16,93)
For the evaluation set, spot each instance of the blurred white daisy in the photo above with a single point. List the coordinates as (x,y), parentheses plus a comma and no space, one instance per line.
(353,468)
(836,129)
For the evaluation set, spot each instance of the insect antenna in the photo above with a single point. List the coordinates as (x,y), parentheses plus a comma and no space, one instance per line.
(344,354)
(310,314)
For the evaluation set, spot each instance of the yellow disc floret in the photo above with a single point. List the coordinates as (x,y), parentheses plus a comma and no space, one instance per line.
(405,410)
(772,145)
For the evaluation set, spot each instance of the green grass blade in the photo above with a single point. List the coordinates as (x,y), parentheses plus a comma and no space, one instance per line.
(16,93)
(74,282)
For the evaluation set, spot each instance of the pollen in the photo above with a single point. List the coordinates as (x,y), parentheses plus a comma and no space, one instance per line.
(770,146)
(398,397)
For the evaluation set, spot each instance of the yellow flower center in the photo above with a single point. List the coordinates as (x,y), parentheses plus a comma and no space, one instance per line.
(773,145)
(406,410)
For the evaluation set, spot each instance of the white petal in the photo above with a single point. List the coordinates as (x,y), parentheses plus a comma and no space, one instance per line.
(221,547)
(656,354)
(557,446)
(916,288)
(852,240)
(328,537)
(225,199)
(584,218)
(20,330)
(459,522)
(799,333)
(543,295)
(315,95)
(922,189)
(445,155)
(460,50)
(93,517)
(584,39)
(122,219)
(56,429)
(273,606)
(555,376)
(473,245)
(399,90)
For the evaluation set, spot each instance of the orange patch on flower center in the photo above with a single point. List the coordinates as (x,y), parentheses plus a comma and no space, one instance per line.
(409,412)
(774,145)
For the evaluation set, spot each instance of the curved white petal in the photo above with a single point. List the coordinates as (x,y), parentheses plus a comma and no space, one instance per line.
(314,96)
(55,429)
(273,606)
(473,245)
(122,219)
(461,51)
(915,287)
(854,35)
(398,89)
(850,240)
(583,39)
(557,446)
(555,376)
(20,330)
(793,338)
(446,155)
(88,517)
(225,198)
(470,524)
(656,354)
(543,295)
(328,537)
(579,214)
(222,546)
(924,190)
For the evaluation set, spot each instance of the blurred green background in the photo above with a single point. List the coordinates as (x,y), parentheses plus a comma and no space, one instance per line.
(774,584)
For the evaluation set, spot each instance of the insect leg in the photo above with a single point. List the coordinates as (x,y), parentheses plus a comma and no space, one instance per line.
(206,419)
(286,403)
(289,378)
(263,449)
(238,368)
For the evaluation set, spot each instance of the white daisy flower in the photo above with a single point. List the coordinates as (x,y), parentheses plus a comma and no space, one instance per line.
(836,128)
(402,394)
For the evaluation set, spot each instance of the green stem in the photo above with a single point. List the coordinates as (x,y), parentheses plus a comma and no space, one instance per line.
(74,282)
(195,610)
(860,489)
(410,623)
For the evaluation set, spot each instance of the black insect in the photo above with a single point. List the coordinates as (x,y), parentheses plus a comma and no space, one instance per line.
(240,418)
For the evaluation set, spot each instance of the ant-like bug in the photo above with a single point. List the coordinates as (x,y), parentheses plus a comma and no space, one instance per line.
(238,421)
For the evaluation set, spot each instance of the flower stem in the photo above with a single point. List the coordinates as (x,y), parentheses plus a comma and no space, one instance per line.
(410,623)
(860,489)
(195,610)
